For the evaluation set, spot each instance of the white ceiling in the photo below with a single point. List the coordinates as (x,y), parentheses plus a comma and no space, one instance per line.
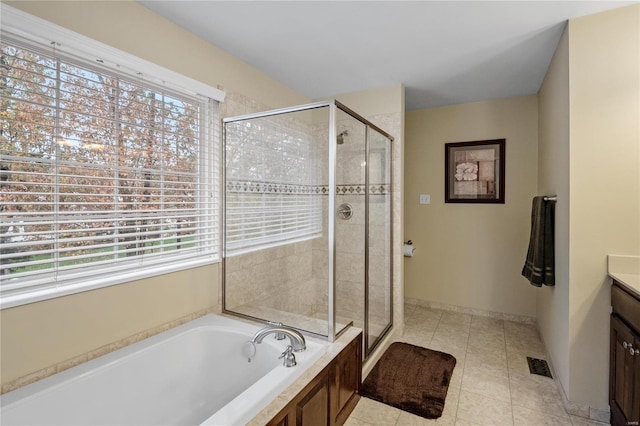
(444,52)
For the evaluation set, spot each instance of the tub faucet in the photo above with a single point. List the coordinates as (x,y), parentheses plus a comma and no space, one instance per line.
(278,336)
(297,339)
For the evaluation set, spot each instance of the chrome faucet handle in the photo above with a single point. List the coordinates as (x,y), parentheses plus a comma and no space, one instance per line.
(289,357)
(277,336)
(296,338)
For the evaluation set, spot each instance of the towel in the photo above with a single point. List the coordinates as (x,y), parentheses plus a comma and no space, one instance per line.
(539,267)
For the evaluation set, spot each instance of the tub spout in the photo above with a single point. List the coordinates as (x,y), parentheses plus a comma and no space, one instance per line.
(297,339)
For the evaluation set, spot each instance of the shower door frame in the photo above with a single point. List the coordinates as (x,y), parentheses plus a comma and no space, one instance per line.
(333,106)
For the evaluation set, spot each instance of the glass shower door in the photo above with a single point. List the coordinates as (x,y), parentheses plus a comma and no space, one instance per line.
(379,222)
(350,220)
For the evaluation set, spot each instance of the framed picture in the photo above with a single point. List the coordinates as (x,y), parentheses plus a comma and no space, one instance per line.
(474,172)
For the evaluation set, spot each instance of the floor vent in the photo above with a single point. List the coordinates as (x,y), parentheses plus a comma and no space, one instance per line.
(539,367)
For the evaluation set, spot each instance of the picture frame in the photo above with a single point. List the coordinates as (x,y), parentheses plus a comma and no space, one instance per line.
(474,171)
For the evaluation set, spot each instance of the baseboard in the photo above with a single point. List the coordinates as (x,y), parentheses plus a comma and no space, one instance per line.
(471,311)
(571,407)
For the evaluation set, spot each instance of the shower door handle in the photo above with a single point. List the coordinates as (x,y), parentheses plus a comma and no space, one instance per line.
(345,211)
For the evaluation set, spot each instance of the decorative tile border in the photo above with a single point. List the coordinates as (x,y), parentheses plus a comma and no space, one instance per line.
(95,353)
(356,189)
(253,187)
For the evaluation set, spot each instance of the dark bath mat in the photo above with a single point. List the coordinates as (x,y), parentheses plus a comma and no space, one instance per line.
(411,378)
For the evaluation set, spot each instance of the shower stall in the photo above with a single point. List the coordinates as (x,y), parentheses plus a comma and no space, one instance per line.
(307,220)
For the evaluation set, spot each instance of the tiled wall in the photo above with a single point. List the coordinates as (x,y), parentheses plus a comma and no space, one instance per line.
(279,278)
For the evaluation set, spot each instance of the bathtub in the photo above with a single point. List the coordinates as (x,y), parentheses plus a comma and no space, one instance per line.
(197,373)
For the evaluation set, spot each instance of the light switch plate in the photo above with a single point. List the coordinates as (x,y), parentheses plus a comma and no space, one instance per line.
(425,198)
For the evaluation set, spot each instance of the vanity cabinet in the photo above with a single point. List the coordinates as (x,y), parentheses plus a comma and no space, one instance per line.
(624,361)
(331,396)
(345,379)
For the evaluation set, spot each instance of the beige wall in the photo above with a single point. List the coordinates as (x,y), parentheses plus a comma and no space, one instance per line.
(471,255)
(370,103)
(39,335)
(604,94)
(590,156)
(553,178)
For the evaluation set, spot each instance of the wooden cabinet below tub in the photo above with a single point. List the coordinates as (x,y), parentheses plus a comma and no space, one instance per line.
(331,396)
(624,361)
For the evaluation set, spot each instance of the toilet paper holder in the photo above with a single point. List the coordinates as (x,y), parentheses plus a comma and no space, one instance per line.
(408,249)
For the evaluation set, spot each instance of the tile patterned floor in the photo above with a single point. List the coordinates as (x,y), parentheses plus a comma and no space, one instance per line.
(491,383)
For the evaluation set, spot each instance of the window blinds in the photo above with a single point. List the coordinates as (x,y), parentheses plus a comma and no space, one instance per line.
(272,195)
(257,220)
(100,173)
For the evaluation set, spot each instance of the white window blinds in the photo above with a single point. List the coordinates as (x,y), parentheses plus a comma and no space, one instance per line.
(101,174)
(271,190)
(261,215)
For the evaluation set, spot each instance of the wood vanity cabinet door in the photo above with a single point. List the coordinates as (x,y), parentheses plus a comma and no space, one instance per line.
(286,417)
(347,376)
(309,408)
(313,409)
(635,405)
(624,389)
(331,396)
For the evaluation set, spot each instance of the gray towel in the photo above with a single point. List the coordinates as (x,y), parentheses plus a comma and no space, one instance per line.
(539,267)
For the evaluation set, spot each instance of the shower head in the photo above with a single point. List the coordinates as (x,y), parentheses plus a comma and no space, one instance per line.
(340,138)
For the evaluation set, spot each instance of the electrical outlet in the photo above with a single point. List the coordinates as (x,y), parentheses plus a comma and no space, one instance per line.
(425,199)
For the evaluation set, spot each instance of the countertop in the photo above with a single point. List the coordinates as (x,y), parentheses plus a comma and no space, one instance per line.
(625,270)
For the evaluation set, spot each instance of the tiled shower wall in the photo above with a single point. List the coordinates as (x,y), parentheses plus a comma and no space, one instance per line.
(279,278)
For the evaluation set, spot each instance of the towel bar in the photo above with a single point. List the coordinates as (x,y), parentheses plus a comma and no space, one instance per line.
(551,198)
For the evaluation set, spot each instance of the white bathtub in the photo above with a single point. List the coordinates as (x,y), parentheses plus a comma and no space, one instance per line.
(192,374)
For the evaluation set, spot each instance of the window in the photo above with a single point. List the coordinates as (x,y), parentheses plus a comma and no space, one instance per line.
(104,177)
